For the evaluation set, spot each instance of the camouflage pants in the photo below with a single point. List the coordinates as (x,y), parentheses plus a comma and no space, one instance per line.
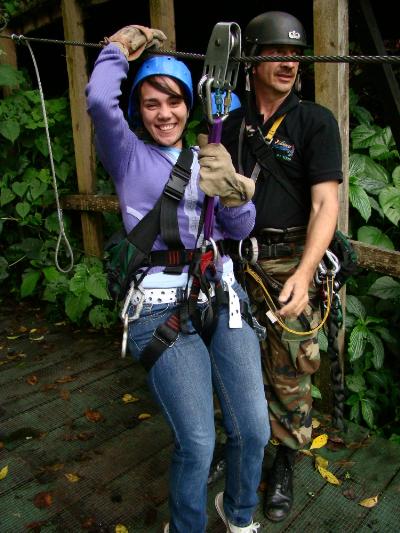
(288,360)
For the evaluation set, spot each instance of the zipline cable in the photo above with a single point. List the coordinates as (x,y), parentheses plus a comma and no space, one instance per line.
(243,59)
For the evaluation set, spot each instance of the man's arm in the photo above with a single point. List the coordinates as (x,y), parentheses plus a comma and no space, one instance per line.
(320,230)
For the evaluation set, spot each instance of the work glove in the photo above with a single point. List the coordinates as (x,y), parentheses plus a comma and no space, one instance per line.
(218,176)
(133,40)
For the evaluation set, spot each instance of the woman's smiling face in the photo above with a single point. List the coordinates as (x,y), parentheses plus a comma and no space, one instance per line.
(164,115)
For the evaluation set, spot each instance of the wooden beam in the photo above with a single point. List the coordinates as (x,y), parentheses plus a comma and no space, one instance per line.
(100,203)
(81,124)
(9,57)
(377,259)
(162,16)
(331,37)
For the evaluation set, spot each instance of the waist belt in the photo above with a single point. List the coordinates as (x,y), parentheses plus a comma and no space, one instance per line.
(277,236)
(174,295)
(274,251)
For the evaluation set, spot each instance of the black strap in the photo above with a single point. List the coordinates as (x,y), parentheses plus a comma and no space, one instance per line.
(143,235)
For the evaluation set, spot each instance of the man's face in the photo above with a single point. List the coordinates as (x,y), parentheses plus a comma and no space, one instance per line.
(276,77)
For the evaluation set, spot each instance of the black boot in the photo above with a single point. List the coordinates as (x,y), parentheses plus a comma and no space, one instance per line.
(279,494)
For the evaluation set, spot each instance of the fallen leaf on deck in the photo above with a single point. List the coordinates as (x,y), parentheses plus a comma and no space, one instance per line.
(32,380)
(3,472)
(321,461)
(306,452)
(119,528)
(43,500)
(65,379)
(88,523)
(128,398)
(93,416)
(37,338)
(22,329)
(319,441)
(65,394)
(349,494)
(369,502)
(328,476)
(274,442)
(13,337)
(315,423)
(72,478)
(144,416)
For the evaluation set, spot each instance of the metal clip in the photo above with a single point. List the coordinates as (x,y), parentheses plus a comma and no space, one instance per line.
(220,72)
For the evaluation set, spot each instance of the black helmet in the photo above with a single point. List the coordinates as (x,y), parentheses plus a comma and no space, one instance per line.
(274,27)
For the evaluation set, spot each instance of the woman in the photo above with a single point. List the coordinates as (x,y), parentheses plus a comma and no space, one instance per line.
(183,376)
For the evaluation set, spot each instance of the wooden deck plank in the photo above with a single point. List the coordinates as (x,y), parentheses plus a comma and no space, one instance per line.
(369,475)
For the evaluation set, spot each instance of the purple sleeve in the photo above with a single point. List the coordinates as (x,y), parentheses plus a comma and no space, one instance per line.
(237,222)
(112,130)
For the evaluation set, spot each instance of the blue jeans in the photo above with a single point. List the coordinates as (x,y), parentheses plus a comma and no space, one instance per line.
(182,381)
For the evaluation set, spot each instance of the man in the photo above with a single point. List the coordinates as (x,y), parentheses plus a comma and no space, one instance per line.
(296,200)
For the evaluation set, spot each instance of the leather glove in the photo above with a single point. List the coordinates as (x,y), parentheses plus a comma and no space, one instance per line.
(133,40)
(218,176)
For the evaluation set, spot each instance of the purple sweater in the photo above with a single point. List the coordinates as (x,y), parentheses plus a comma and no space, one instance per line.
(140,170)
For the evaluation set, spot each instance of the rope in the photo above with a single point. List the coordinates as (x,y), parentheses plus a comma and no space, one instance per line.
(244,59)
(336,369)
(268,298)
(62,234)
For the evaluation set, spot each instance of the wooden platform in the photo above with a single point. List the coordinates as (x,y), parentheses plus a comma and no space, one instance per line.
(80,459)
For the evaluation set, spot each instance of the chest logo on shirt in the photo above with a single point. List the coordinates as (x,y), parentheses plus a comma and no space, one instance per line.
(283,150)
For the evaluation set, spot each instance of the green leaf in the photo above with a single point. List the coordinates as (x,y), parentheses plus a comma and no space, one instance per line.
(375,205)
(370,175)
(10,129)
(377,378)
(29,282)
(385,288)
(23,208)
(357,342)
(396,177)
(385,335)
(20,187)
(355,307)
(378,351)
(355,382)
(359,200)
(380,152)
(389,199)
(315,392)
(367,413)
(363,136)
(355,412)
(3,268)
(6,196)
(101,317)
(52,223)
(10,76)
(97,286)
(322,340)
(75,306)
(374,236)
(51,273)
(37,188)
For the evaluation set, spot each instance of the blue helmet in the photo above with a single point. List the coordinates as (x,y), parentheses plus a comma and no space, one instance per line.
(161,66)
(235,102)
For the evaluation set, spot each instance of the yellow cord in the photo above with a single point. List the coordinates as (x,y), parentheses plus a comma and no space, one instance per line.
(273,309)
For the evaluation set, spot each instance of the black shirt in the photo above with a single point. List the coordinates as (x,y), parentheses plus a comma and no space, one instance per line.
(306,144)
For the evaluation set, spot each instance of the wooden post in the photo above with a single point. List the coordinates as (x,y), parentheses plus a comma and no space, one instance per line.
(8,56)
(81,124)
(331,29)
(162,16)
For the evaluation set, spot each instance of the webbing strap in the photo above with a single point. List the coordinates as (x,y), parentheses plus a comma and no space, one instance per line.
(163,337)
(271,133)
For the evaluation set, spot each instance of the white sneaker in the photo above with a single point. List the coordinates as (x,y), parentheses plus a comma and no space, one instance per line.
(252,528)
(166,529)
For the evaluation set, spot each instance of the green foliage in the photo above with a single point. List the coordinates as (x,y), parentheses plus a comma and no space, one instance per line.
(373,301)
(29,225)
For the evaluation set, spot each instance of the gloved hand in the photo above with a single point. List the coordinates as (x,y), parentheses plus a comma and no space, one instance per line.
(132,40)
(218,176)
